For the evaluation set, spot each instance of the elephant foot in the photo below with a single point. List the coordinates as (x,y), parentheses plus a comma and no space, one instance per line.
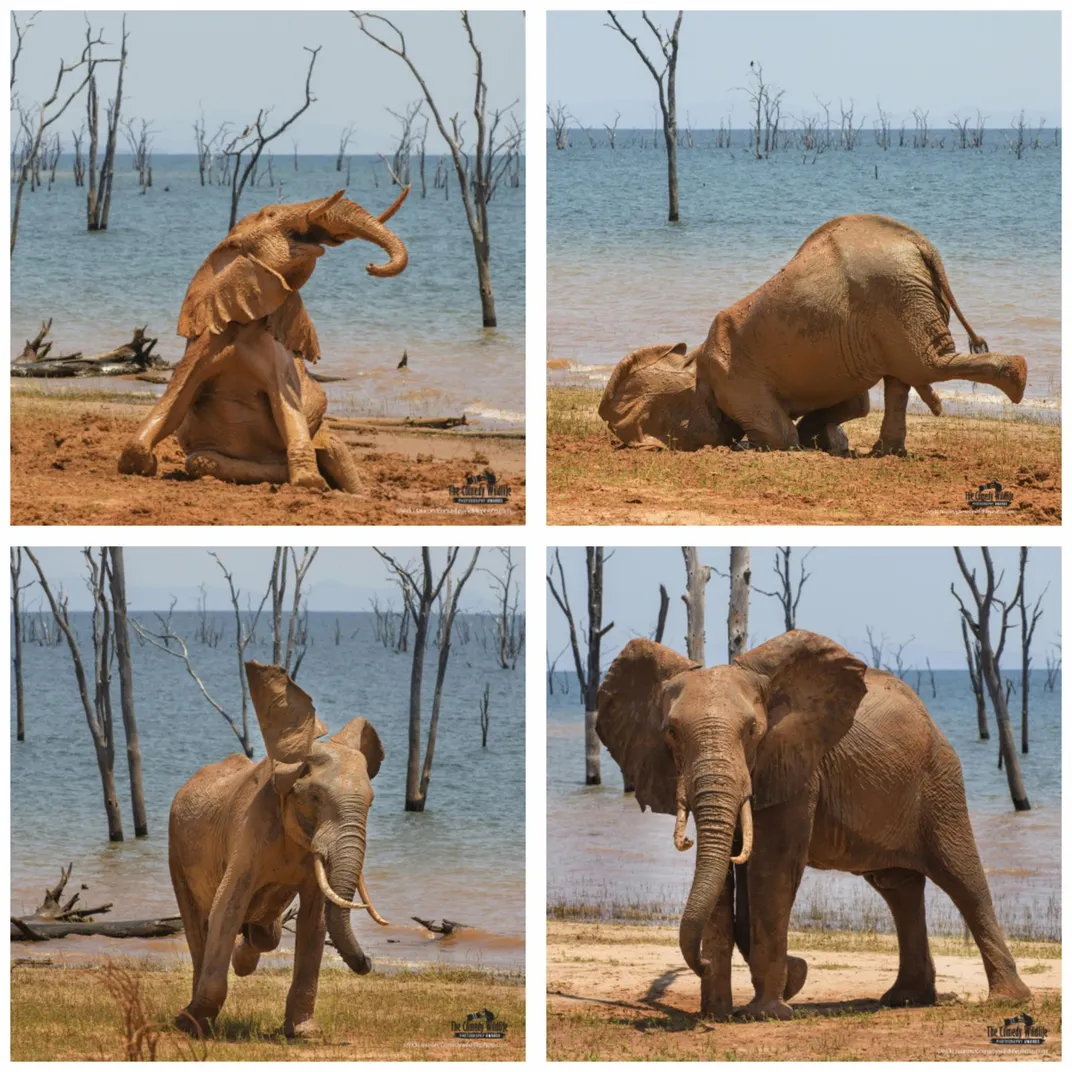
(1012,989)
(795,977)
(880,449)
(304,473)
(901,995)
(137,460)
(719,1011)
(764,1010)
(198,1026)
(307,1029)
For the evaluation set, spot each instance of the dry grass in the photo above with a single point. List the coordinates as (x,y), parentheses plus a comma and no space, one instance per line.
(60,1013)
(590,482)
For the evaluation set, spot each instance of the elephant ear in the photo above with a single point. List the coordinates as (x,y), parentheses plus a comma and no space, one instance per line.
(291,326)
(232,286)
(359,735)
(811,688)
(285,712)
(630,720)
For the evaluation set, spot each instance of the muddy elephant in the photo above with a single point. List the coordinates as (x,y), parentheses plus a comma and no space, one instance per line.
(245,839)
(798,755)
(240,402)
(864,299)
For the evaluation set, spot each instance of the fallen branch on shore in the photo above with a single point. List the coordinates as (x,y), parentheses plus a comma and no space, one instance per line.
(23,930)
(36,360)
(342,423)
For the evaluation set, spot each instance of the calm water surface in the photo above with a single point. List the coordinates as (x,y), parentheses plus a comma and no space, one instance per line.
(463,858)
(619,276)
(97,287)
(603,852)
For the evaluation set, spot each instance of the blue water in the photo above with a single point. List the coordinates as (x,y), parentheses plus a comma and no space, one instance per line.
(97,287)
(619,276)
(602,849)
(463,857)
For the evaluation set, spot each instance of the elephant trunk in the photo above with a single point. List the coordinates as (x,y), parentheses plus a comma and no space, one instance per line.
(715,810)
(343,853)
(350,219)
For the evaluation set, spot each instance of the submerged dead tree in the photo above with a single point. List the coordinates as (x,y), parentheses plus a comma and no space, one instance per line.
(99,191)
(973,657)
(788,591)
(16,641)
(589,671)
(420,591)
(480,172)
(666,81)
(1028,620)
(987,603)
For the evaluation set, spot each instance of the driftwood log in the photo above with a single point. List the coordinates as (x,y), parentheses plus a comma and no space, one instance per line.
(37,362)
(23,930)
(444,927)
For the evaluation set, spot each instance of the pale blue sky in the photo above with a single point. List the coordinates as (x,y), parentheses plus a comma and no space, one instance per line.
(233,63)
(899,592)
(340,578)
(998,62)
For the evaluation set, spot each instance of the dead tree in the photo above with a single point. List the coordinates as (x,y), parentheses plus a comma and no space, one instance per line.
(420,595)
(99,192)
(876,647)
(612,131)
(898,666)
(850,133)
(666,81)
(398,167)
(696,578)
(112,564)
(141,150)
(767,104)
(344,140)
(78,165)
(740,581)
(1017,144)
(98,707)
(509,623)
(485,716)
(920,139)
(986,600)
(664,609)
(975,674)
(297,634)
(788,591)
(589,672)
(256,137)
(16,640)
(1053,668)
(478,173)
(37,121)
(559,118)
(882,127)
(934,684)
(1028,620)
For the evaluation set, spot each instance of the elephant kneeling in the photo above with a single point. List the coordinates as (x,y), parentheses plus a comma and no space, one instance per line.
(245,839)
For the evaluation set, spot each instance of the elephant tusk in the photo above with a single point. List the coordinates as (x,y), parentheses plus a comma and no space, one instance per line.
(681,843)
(387,213)
(328,892)
(746,833)
(362,889)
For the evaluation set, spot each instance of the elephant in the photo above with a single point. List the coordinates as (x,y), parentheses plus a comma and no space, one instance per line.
(797,754)
(245,838)
(240,402)
(864,299)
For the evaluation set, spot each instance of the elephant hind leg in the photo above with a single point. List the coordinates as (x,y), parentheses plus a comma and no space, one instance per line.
(903,892)
(200,463)
(336,463)
(821,430)
(1007,372)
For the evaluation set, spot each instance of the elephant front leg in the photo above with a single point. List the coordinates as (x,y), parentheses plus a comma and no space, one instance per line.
(284,396)
(202,358)
(336,463)
(308,952)
(716,950)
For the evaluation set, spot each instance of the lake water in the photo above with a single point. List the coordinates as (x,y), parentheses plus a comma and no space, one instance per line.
(608,858)
(463,858)
(98,287)
(619,276)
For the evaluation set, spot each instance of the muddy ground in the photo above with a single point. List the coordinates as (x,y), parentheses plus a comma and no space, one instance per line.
(622,992)
(590,481)
(63,472)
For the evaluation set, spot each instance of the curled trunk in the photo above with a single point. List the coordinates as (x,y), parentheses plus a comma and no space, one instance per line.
(344,857)
(353,219)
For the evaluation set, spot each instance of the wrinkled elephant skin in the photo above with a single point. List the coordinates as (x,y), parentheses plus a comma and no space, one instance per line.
(776,757)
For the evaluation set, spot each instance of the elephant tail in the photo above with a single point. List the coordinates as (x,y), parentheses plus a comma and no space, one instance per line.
(931,258)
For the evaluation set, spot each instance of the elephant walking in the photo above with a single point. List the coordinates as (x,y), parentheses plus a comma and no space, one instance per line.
(240,401)
(809,758)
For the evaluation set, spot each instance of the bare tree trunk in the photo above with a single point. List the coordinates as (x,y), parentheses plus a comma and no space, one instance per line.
(696,578)
(971,653)
(279,587)
(117,573)
(664,608)
(16,626)
(596,632)
(740,580)
(420,613)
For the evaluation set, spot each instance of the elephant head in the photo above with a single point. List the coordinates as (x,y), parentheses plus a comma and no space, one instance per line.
(722,740)
(653,400)
(268,256)
(325,791)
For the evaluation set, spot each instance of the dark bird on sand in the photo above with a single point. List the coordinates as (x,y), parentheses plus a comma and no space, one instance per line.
(404,363)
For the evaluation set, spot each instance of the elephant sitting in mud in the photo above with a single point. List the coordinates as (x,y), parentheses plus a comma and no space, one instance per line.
(245,838)
(240,401)
(801,756)
(864,299)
